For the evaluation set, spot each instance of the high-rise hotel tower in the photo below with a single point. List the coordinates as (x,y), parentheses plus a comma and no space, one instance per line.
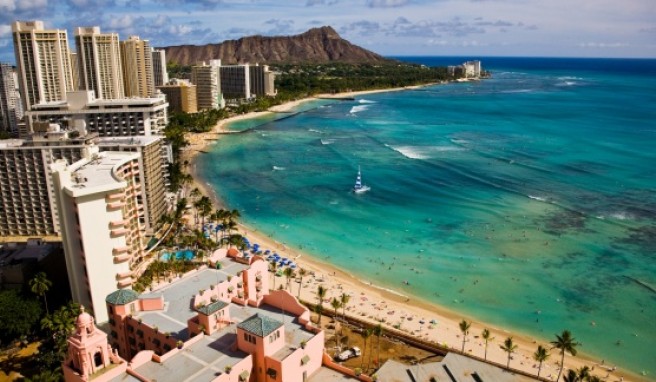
(43,60)
(99,62)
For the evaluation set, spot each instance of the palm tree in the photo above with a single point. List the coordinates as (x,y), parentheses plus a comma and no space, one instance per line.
(487,337)
(336,305)
(571,376)
(540,355)
(565,343)
(274,269)
(464,328)
(39,285)
(319,310)
(205,208)
(378,332)
(365,335)
(289,274)
(301,272)
(509,347)
(195,194)
(584,373)
(321,293)
(344,299)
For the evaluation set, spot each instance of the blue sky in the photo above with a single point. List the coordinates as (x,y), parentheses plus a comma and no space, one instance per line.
(569,28)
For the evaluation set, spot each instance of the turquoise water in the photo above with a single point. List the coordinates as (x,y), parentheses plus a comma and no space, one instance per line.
(533,191)
(185,254)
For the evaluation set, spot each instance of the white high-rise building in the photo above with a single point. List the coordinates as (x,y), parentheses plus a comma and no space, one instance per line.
(9,108)
(43,60)
(160,75)
(100,204)
(137,62)
(99,63)
(207,79)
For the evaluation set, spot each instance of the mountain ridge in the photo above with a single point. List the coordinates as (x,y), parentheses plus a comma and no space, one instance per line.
(317,45)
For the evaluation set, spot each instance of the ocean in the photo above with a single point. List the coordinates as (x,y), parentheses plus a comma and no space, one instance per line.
(527,200)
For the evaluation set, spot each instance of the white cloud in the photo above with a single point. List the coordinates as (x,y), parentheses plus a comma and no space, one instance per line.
(603,45)
(386,3)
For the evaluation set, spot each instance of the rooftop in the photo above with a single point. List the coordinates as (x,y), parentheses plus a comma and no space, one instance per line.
(122,297)
(259,325)
(88,174)
(452,366)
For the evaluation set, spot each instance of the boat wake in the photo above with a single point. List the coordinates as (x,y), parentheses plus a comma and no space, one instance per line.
(359,108)
(366,101)
(423,152)
(327,141)
(278,168)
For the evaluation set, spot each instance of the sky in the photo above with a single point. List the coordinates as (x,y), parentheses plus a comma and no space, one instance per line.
(560,28)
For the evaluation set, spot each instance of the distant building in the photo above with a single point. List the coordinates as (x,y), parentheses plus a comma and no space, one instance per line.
(207,78)
(108,118)
(235,82)
(43,60)
(99,64)
(9,101)
(100,202)
(75,70)
(262,81)
(472,69)
(137,62)
(181,96)
(160,75)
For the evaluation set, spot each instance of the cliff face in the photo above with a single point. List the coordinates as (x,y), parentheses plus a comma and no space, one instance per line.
(318,45)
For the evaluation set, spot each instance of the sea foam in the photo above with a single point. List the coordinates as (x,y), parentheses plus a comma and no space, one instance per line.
(359,108)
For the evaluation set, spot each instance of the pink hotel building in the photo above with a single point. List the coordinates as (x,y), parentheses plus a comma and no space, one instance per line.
(215,324)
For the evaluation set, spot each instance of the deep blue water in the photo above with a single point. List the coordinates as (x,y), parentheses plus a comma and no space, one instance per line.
(533,191)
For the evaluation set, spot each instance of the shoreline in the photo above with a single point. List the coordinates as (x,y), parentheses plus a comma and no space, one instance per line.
(374,302)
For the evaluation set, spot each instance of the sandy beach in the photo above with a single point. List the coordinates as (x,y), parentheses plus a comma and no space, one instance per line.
(378,305)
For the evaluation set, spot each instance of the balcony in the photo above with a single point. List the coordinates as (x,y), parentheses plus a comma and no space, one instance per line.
(115,206)
(121,258)
(118,223)
(124,283)
(118,232)
(114,197)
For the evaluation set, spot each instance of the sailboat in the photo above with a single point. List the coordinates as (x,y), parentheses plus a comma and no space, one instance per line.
(360,188)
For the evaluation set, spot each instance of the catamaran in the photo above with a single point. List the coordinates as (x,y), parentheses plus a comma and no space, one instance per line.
(359,187)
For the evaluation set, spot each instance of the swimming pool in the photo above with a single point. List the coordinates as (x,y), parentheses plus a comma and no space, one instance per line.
(185,254)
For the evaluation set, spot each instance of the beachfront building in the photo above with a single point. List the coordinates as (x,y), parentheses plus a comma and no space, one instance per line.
(27,198)
(206,77)
(262,80)
(99,65)
(181,96)
(10,111)
(152,167)
(472,69)
(100,204)
(108,118)
(232,329)
(43,60)
(235,82)
(136,57)
(160,75)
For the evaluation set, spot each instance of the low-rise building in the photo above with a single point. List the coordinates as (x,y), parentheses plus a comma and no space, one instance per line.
(232,329)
